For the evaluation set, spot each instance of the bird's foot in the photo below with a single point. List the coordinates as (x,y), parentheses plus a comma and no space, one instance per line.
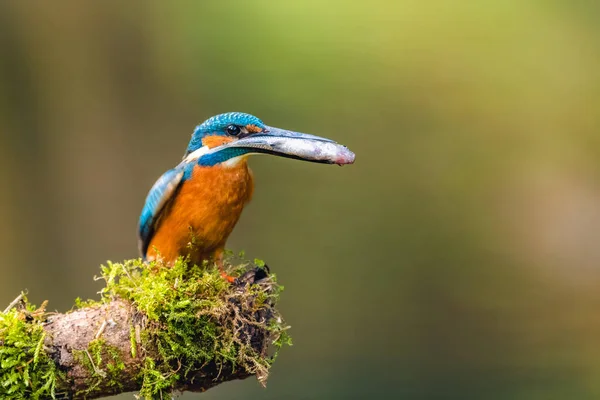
(228,278)
(254,275)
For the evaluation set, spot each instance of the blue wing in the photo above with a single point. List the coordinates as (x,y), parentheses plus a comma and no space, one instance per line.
(158,197)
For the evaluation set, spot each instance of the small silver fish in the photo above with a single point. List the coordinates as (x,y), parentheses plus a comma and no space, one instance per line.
(297,145)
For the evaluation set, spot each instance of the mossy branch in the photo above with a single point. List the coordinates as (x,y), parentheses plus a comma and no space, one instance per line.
(157,330)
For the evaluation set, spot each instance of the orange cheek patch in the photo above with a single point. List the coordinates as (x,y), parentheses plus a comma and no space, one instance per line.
(253,128)
(214,141)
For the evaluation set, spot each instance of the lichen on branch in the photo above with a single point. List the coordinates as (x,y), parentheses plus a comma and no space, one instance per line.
(156,330)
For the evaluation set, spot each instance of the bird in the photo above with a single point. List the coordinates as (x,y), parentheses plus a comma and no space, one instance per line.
(192,209)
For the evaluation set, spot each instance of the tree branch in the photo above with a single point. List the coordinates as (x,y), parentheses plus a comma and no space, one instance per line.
(157,330)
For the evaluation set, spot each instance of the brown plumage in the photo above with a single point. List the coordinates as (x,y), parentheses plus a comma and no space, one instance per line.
(203,214)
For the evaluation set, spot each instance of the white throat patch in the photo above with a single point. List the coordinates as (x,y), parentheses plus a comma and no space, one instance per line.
(196,154)
(233,162)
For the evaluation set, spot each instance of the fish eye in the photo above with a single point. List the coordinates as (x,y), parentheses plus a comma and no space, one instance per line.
(233,130)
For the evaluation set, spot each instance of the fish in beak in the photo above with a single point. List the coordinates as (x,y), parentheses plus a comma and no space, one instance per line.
(296,145)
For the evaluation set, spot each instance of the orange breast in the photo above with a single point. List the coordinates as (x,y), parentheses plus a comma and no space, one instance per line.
(203,213)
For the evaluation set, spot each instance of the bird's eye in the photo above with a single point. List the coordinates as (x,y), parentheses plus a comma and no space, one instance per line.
(233,130)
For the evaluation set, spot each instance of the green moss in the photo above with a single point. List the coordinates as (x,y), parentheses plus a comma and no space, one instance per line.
(104,363)
(79,303)
(194,318)
(26,372)
(133,341)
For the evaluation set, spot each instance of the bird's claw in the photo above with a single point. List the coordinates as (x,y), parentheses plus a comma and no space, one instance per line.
(228,278)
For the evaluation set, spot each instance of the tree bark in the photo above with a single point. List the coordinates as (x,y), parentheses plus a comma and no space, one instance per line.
(118,325)
(69,336)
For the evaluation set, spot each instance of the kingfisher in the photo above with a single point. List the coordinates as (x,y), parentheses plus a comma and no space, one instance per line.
(192,209)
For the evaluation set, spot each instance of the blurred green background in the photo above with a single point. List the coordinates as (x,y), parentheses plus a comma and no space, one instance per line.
(457,259)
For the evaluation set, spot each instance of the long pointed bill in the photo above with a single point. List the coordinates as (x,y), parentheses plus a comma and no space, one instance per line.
(296,145)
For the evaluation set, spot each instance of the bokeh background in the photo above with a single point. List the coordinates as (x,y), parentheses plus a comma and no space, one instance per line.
(459,258)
